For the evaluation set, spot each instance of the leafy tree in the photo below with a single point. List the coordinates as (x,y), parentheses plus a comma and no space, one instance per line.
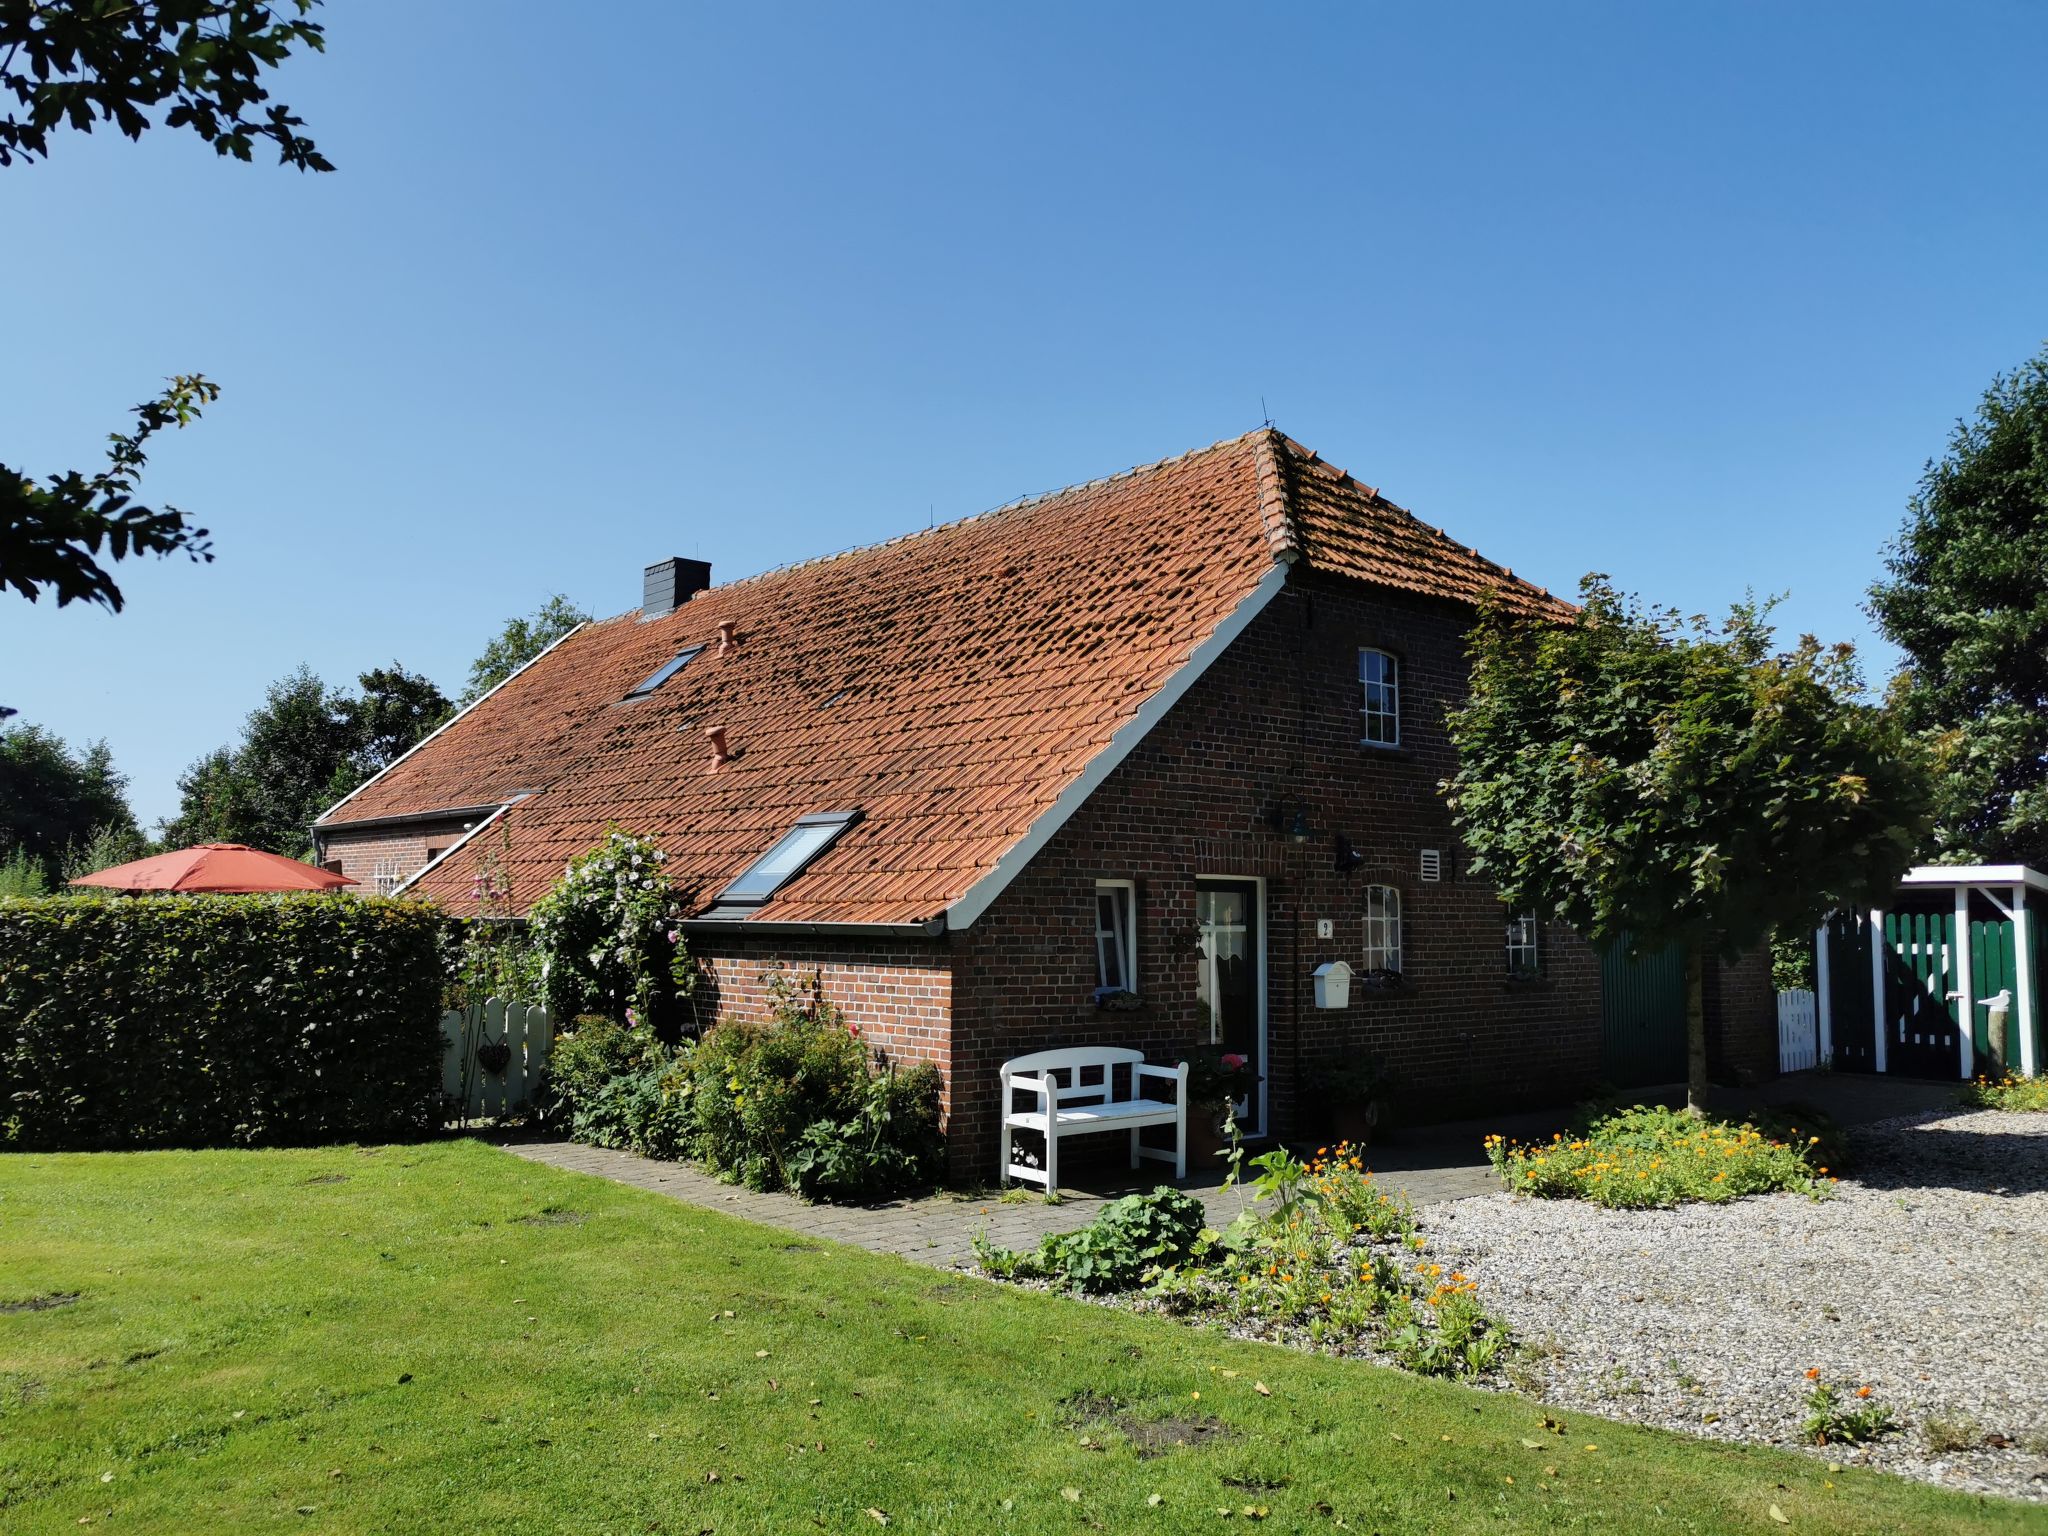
(519,642)
(52,797)
(69,62)
(106,845)
(1967,603)
(303,749)
(1677,782)
(395,711)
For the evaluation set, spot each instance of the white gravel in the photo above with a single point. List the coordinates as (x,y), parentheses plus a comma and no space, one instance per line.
(1925,1277)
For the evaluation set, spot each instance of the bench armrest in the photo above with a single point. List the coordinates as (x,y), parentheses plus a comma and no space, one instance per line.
(1042,1086)
(1177,1075)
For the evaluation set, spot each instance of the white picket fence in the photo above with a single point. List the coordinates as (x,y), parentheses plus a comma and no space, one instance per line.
(494,1056)
(1798,1032)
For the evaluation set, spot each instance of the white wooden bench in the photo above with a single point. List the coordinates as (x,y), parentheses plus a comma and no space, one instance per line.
(1087,1101)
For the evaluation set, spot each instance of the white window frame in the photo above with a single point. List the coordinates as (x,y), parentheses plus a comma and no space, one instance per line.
(1383,935)
(1382,714)
(1524,949)
(1124,944)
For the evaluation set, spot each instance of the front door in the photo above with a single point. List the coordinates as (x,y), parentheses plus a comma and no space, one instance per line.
(1230,984)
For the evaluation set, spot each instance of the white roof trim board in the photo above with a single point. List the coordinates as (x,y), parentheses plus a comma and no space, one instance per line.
(1976,874)
(322,819)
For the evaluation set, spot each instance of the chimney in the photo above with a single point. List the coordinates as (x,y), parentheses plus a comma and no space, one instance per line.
(727,636)
(667,584)
(720,753)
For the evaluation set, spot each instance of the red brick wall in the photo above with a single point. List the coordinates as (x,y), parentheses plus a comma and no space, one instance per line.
(899,993)
(1742,1019)
(360,855)
(1275,724)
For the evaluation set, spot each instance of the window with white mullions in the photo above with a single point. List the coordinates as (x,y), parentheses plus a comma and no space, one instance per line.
(1524,946)
(1382,928)
(1116,935)
(1379,682)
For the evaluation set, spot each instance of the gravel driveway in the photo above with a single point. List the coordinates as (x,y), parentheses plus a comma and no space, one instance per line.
(1925,1277)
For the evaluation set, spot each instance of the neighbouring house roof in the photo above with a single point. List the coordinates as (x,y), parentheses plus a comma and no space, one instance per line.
(962,687)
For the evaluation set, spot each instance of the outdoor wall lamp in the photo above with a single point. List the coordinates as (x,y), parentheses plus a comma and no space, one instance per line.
(1346,858)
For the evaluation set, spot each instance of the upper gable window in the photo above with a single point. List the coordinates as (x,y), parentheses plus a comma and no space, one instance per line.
(1379,681)
(790,856)
(665,671)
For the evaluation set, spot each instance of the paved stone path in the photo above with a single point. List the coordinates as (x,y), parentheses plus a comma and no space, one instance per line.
(940,1229)
(1429,1165)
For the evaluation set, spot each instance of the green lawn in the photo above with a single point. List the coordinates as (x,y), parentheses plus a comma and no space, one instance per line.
(443,1338)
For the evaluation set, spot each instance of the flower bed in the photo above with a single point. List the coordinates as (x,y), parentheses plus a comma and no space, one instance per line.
(1324,1259)
(1642,1157)
(2010,1092)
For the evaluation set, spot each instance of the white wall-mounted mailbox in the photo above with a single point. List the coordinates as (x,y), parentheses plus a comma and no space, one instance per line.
(1333,984)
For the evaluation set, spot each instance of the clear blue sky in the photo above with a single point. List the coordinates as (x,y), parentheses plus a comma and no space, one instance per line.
(1682,294)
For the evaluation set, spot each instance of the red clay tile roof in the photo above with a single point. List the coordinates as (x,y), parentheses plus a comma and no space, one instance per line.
(950,684)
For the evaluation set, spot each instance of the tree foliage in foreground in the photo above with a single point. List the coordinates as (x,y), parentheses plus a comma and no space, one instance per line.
(70,63)
(1678,783)
(519,642)
(1967,600)
(53,536)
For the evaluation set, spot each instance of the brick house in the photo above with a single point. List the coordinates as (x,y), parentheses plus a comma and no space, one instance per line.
(1176,733)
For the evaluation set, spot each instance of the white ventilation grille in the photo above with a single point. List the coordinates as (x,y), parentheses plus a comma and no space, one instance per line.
(1432,865)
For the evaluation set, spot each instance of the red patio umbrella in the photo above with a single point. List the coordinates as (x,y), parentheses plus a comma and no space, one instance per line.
(224,868)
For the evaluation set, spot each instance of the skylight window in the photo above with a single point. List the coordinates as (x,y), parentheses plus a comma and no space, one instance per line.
(790,856)
(665,671)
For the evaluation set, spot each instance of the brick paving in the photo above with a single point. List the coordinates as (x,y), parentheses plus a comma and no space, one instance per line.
(940,1229)
(1428,1164)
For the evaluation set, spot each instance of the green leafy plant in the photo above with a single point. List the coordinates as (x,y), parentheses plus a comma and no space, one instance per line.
(608,939)
(1219,1076)
(1833,1419)
(176,1021)
(1131,1241)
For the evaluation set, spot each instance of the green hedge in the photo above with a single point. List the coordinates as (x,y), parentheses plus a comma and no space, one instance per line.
(187,1021)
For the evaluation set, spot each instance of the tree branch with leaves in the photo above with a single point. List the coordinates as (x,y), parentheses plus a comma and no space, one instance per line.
(1663,781)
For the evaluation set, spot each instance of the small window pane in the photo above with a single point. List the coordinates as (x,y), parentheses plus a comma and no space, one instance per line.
(1524,945)
(1382,928)
(1379,681)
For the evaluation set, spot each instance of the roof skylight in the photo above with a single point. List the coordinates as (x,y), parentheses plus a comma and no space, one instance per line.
(791,855)
(665,671)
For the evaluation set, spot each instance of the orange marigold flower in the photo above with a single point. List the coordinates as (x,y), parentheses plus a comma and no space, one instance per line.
(1863,1391)
(1813,1373)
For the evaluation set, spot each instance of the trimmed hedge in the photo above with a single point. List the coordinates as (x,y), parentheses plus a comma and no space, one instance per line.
(190,1021)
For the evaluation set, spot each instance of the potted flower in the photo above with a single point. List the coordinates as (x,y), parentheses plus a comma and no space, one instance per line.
(1350,1093)
(1218,1078)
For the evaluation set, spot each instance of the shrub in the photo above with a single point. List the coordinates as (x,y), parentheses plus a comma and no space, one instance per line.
(797,1104)
(792,1104)
(1131,1238)
(1651,1156)
(178,1021)
(606,936)
(2019,1094)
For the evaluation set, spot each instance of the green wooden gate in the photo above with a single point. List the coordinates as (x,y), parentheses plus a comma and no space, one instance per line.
(1923,1037)
(1993,970)
(1642,1016)
(1852,1030)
